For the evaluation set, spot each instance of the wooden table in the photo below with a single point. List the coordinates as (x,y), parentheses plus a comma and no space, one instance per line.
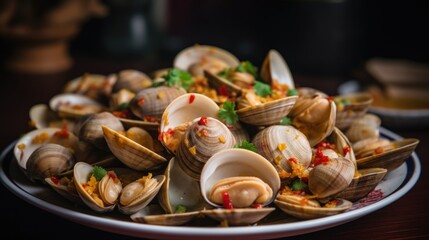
(406,218)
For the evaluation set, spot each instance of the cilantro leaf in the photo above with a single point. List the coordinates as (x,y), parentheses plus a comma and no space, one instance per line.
(247,66)
(292,92)
(98,172)
(262,89)
(298,185)
(123,106)
(246,145)
(178,78)
(286,121)
(180,209)
(227,113)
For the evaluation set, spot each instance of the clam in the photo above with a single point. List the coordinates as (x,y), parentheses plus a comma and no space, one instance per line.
(310,92)
(121,98)
(391,158)
(70,105)
(196,59)
(364,127)
(203,138)
(32,140)
(363,183)
(274,68)
(42,116)
(216,82)
(350,107)
(90,129)
(100,196)
(65,187)
(332,177)
(95,86)
(314,116)
(49,160)
(238,165)
(154,215)
(138,194)
(178,115)
(279,143)
(179,189)
(239,216)
(131,153)
(268,113)
(132,80)
(303,208)
(152,102)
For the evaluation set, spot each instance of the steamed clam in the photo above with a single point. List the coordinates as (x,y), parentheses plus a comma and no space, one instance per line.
(69,105)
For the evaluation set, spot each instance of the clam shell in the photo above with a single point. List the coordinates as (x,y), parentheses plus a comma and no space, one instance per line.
(390,159)
(185,109)
(204,145)
(326,180)
(234,163)
(152,214)
(49,160)
(91,131)
(81,173)
(267,114)
(153,101)
(64,191)
(180,189)
(131,153)
(42,116)
(297,146)
(70,105)
(358,106)
(188,57)
(239,216)
(143,199)
(315,117)
(364,127)
(150,126)
(95,86)
(293,207)
(362,184)
(132,80)
(216,81)
(274,68)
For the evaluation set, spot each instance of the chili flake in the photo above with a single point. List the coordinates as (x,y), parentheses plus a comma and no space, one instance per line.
(223,91)
(378,150)
(55,180)
(191,98)
(140,102)
(203,121)
(346,150)
(227,204)
(63,133)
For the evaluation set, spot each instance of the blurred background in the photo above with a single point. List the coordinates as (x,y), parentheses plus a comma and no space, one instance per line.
(316,37)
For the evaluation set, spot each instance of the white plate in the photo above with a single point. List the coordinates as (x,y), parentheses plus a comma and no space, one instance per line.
(395,185)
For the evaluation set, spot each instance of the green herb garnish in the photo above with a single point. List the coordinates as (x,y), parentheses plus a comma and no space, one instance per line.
(227,113)
(248,67)
(246,145)
(298,185)
(180,209)
(123,106)
(292,92)
(262,89)
(286,121)
(178,78)
(98,172)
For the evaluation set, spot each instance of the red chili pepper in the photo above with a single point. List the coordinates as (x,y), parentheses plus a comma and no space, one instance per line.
(160,136)
(223,91)
(227,204)
(330,98)
(346,149)
(256,205)
(191,98)
(294,160)
(378,150)
(63,133)
(203,121)
(112,176)
(140,102)
(55,180)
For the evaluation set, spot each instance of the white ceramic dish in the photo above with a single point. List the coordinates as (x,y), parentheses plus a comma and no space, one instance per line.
(395,185)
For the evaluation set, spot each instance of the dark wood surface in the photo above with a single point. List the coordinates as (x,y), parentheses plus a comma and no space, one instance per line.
(406,218)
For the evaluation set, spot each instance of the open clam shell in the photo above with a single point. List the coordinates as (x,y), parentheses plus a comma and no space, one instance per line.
(70,105)
(235,163)
(67,192)
(390,159)
(81,173)
(292,205)
(95,86)
(268,113)
(132,80)
(363,183)
(314,116)
(364,127)
(153,214)
(141,195)
(42,116)
(357,105)
(274,68)
(216,82)
(180,112)
(131,153)
(198,58)
(238,216)
(180,189)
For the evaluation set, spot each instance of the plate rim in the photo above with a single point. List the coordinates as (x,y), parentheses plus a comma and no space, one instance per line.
(275,230)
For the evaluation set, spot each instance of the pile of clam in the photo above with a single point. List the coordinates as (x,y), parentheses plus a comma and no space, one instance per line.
(211,138)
